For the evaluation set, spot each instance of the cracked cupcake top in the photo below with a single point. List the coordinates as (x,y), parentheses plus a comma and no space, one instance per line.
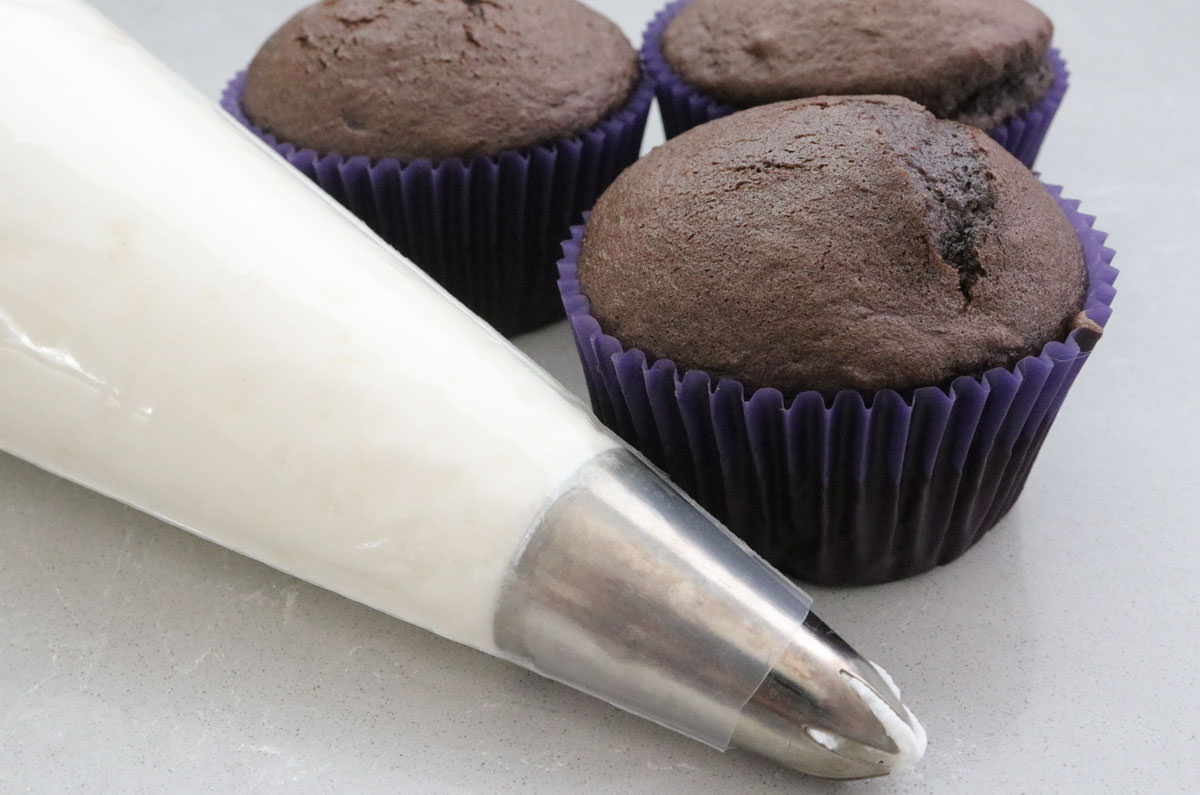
(833,243)
(975,61)
(438,78)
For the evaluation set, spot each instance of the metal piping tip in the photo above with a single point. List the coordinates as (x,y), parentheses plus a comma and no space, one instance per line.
(629,591)
(826,710)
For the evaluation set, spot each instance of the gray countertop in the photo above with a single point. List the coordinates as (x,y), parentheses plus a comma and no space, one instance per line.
(1057,656)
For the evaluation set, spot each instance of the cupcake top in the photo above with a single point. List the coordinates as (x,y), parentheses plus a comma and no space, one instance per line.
(833,243)
(975,61)
(438,78)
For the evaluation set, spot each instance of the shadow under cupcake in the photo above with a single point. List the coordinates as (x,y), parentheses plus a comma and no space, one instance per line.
(987,63)
(467,135)
(843,326)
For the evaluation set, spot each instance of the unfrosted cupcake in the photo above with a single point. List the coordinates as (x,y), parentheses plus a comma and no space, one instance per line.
(843,325)
(468,134)
(987,63)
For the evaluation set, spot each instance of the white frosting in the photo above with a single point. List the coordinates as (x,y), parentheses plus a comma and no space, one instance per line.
(907,733)
(190,327)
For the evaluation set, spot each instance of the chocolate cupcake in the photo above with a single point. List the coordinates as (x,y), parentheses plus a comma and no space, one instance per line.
(984,63)
(467,134)
(891,309)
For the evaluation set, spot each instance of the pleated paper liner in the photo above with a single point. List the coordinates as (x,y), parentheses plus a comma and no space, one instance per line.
(488,229)
(852,491)
(684,107)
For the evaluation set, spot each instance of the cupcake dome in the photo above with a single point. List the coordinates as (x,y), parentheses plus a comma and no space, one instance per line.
(817,260)
(438,78)
(974,61)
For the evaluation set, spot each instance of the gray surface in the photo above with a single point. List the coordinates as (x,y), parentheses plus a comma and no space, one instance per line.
(1057,656)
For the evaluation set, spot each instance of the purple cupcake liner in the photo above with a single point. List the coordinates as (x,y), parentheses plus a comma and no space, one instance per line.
(848,491)
(487,229)
(684,107)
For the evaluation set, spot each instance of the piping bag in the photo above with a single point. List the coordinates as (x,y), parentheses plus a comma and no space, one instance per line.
(189,327)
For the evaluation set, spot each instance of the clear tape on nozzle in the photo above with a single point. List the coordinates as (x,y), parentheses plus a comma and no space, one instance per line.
(629,591)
